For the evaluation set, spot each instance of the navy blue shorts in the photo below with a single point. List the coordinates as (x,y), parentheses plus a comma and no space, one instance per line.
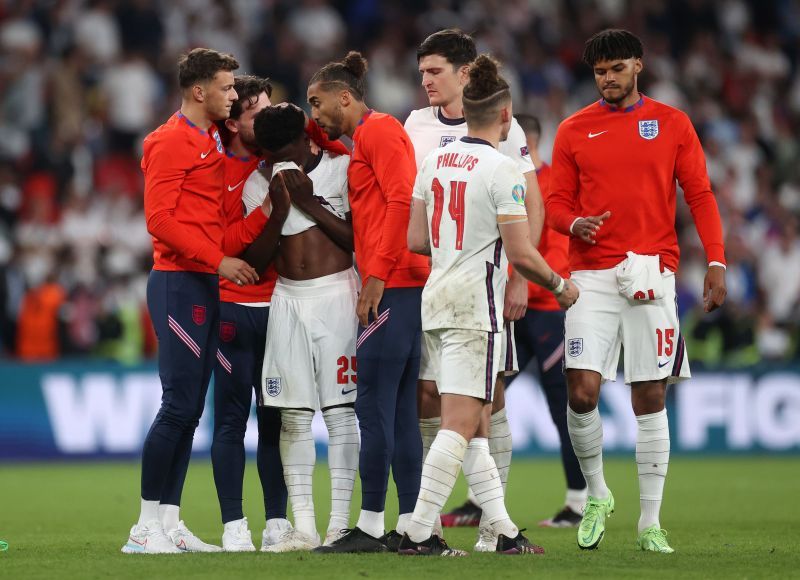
(540,335)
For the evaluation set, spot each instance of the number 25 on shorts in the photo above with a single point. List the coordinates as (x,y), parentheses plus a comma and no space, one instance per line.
(346,364)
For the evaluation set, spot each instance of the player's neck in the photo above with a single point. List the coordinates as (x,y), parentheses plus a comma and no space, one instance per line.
(238,148)
(354,118)
(454,110)
(628,101)
(196,114)
(490,134)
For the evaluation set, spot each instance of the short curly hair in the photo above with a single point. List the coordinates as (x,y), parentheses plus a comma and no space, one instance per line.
(277,127)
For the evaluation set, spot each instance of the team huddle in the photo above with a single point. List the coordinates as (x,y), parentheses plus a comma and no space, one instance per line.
(399,285)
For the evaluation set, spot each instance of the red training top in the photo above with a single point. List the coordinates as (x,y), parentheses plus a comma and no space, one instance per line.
(183,169)
(627,161)
(381,178)
(241,231)
(554,248)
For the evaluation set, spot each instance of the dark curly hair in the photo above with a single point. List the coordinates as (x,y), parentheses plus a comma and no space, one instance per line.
(277,127)
(486,92)
(612,44)
(201,64)
(348,74)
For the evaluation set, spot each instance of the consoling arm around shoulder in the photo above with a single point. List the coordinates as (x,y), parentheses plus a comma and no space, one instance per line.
(418,240)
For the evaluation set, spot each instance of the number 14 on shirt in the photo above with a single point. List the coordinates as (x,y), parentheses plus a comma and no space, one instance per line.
(455,208)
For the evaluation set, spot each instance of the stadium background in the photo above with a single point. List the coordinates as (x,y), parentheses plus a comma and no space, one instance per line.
(84,81)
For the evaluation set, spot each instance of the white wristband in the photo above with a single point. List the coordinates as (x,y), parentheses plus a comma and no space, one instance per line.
(720,264)
(559,288)
(572,225)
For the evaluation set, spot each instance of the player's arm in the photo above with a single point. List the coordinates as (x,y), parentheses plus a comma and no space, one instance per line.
(165,171)
(264,248)
(514,231)
(301,193)
(560,205)
(690,169)
(240,232)
(319,137)
(418,239)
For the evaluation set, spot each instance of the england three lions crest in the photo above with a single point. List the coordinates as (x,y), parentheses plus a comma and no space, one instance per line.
(648,129)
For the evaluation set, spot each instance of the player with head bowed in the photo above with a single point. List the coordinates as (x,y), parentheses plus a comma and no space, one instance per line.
(380,179)
(615,166)
(443,59)
(183,165)
(468,214)
(309,361)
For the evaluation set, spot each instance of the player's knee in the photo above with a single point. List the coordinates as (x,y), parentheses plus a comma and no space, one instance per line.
(648,398)
(228,432)
(582,399)
(295,422)
(429,401)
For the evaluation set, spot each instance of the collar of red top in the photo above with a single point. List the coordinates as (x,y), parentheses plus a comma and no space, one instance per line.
(476,141)
(448,121)
(244,159)
(364,118)
(192,125)
(617,109)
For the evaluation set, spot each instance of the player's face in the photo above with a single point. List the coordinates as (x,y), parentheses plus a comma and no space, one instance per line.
(326,110)
(219,95)
(297,151)
(442,82)
(616,79)
(245,121)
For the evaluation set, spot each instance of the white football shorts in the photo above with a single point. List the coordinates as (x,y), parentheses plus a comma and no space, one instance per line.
(464,362)
(508,356)
(603,320)
(310,355)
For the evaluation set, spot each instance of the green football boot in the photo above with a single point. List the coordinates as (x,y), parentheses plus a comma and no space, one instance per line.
(653,539)
(593,524)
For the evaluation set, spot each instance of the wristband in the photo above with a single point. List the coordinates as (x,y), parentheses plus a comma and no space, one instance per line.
(720,264)
(559,287)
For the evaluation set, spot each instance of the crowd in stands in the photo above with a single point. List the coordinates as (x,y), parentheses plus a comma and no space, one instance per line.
(83,81)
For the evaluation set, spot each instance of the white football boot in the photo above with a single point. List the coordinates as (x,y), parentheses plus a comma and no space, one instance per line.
(294,541)
(149,538)
(186,541)
(275,528)
(487,541)
(236,537)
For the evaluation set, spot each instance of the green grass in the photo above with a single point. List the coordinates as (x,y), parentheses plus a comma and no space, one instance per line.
(727,518)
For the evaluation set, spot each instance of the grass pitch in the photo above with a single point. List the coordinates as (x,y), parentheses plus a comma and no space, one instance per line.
(727,518)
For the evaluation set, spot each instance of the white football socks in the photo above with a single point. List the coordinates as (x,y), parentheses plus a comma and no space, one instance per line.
(438,478)
(343,446)
(169,516)
(500,444)
(586,434)
(371,523)
(428,428)
(576,499)
(149,512)
(298,456)
(652,459)
(484,479)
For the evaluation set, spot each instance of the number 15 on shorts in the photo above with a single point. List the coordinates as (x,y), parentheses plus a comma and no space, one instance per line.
(346,372)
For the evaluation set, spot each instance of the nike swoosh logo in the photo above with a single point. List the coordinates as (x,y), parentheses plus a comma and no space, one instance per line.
(588,538)
(347,392)
(232,187)
(206,154)
(662,365)
(593,135)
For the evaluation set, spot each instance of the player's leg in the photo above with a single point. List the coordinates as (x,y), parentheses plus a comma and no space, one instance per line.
(179,305)
(546,329)
(289,383)
(233,393)
(593,340)
(429,405)
(270,472)
(654,354)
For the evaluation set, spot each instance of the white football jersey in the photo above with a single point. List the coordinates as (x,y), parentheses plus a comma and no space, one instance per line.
(465,186)
(330,188)
(429,130)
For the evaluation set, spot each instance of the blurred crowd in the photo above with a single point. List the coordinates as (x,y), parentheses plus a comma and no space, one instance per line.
(83,81)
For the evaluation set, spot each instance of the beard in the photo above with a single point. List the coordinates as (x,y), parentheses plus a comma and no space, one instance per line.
(334,128)
(248,139)
(624,93)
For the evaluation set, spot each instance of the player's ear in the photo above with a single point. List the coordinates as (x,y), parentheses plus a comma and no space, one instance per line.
(463,75)
(345,98)
(638,65)
(198,93)
(230,125)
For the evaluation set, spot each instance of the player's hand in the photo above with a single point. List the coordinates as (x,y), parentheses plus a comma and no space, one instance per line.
(369,299)
(276,204)
(300,188)
(516,298)
(586,228)
(569,295)
(237,271)
(714,290)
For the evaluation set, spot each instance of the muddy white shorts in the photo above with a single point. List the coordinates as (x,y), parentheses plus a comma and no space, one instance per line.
(309,360)
(603,320)
(464,362)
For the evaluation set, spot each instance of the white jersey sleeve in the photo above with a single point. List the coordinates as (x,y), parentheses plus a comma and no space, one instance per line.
(516,147)
(507,189)
(254,191)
